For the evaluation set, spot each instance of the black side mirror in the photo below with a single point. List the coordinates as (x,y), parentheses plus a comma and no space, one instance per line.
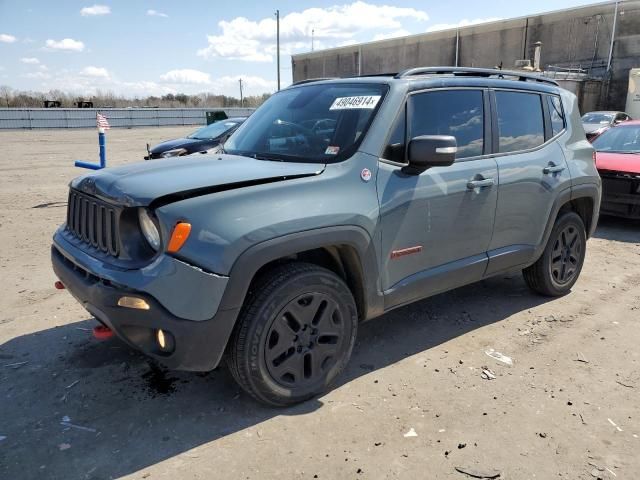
(428,151)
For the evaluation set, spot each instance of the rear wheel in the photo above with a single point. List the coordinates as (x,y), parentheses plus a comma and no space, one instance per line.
(295,334)
(559,266)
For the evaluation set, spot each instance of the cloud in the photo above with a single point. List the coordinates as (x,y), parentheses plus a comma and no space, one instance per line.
(398,33)
(194,80)
(251,85)
(30,60)
(186,76)
(142,88)
(155,13)
(37,75)
(249,40)
(462,23)
(6,38)
(95,11)
(95,72)
(67,44)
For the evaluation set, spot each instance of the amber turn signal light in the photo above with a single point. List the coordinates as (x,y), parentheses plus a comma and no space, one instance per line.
(179,236)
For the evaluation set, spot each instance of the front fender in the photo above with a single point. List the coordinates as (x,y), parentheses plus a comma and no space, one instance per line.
(257,256)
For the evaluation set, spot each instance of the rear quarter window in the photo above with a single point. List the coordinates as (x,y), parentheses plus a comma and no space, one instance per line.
(520,121)
(556,114)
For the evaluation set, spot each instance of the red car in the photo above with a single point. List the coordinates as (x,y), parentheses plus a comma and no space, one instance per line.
(618,162)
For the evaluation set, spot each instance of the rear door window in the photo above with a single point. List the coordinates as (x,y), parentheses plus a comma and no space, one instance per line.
(520,121)
(459,113)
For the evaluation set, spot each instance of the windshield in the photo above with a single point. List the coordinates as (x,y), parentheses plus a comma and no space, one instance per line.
(597,118)
(619,139)
(214,130)
(315,123)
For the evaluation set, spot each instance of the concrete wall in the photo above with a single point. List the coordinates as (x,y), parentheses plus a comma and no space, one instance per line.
(29,118)
(579,37)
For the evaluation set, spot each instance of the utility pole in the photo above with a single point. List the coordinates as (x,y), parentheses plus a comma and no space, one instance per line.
(613,36)
(278,44)
(312,32)
(241,98)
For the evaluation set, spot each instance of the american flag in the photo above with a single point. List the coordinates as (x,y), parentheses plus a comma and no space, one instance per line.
(102,122)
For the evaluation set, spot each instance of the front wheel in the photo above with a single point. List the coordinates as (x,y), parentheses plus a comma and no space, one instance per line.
(559,266)
(295,334)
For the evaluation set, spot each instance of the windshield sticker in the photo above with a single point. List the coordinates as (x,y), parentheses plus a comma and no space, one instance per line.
(332,150)
(347,103)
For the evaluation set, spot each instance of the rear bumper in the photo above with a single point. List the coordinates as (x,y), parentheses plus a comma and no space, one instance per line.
(199,345)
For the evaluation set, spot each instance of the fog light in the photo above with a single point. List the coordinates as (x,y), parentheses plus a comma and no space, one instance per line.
(165,341)
(133,302)
(161,340)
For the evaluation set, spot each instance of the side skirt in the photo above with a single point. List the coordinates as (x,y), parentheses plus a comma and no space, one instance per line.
(436,280)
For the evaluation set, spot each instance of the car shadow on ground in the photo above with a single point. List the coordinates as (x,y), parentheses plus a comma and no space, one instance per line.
(81,408)
(618,229)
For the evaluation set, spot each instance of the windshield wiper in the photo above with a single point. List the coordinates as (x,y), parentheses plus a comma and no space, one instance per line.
(633,152)
(265,156)
(256,155)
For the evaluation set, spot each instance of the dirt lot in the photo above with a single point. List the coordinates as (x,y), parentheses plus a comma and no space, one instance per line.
(568,407)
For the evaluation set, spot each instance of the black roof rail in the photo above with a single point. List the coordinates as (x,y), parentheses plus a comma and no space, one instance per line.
(475,72)
(310,80)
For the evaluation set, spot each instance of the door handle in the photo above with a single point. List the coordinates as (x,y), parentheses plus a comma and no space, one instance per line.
(473,184)
(552,169)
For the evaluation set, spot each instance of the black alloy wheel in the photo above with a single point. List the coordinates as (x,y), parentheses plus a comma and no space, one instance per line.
(558,267)
(294,335)
(303,340)
(566,255)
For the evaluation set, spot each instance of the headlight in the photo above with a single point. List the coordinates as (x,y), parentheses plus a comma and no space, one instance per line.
(149,229)
(176,152)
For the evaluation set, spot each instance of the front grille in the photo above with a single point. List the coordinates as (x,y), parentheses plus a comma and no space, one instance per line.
(93,222)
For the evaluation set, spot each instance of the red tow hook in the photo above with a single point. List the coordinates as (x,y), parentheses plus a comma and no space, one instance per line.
(59,285)
(101,332)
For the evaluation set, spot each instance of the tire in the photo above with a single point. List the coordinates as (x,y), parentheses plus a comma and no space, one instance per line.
(294,335)
(559,266)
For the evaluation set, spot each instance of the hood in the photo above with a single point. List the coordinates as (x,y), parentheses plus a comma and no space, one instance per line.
(618,162)
(166,180)
(592,127)
(176,143)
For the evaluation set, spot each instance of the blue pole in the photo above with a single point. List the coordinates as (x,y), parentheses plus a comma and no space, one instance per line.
(103,148)
(102,142)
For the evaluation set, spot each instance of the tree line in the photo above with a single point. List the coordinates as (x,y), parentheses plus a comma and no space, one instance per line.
(12,98)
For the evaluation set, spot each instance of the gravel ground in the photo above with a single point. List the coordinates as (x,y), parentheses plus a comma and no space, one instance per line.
(412,404)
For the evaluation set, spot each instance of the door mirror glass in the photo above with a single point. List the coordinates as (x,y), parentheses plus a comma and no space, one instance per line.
(428,151)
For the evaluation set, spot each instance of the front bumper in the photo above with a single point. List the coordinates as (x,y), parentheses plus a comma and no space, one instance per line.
(620,195)
(199,344)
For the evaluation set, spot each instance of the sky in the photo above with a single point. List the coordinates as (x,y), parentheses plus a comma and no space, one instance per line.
(140,48)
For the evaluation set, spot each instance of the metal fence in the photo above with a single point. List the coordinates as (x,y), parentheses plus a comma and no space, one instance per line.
(29,118)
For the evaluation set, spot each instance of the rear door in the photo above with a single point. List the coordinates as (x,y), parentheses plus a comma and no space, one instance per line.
(436,226)
(532,170)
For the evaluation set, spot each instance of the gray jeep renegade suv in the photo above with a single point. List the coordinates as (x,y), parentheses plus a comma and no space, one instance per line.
(335,202)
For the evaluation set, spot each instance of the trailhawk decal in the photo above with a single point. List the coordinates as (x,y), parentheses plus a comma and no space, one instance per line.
(347,103)
(406,251)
